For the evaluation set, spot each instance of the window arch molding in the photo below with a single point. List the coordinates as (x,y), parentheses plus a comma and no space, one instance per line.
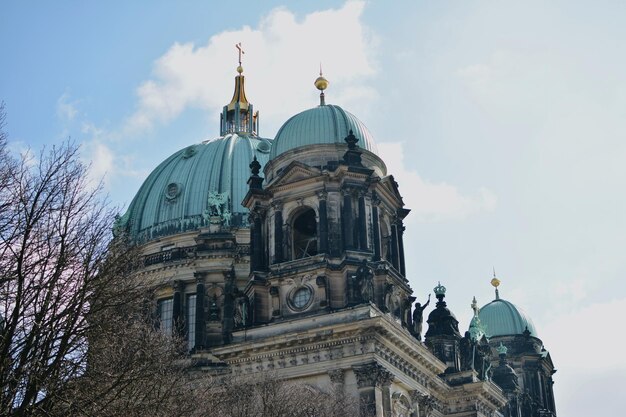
(384,224)
(303,229)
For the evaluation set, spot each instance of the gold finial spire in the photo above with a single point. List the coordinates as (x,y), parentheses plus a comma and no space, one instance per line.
(321,84)
(241,52)
(495,282)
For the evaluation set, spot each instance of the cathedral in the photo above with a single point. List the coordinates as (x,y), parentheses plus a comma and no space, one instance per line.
(286,255)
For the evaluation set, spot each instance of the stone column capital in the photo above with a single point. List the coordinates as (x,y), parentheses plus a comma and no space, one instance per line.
(277,205)
(199,276)
(372,375)
(336,376)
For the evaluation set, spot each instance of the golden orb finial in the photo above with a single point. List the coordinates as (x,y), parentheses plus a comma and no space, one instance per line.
(321,83)
(495,282)
(239,69)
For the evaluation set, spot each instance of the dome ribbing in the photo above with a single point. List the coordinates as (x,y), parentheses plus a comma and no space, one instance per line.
(503,318)
(174,197)
(328,124)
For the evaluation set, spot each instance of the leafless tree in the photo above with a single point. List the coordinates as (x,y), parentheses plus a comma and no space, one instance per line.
(75,331)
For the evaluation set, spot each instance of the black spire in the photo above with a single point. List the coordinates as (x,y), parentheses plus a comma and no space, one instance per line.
(255,181)
(352,157)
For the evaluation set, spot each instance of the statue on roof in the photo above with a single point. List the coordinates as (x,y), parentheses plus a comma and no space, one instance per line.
(217,205)
(242,310)
(418,318)
(365,281)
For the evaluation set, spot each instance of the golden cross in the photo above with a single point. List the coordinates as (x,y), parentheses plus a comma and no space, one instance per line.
(241,51)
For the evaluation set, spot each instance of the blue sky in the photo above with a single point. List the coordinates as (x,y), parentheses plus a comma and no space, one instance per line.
(503,122)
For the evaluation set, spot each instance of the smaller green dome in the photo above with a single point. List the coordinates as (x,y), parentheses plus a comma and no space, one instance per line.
(328,124)
(503,318)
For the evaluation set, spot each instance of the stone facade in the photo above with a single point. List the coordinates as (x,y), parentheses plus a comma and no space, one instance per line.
(312,286)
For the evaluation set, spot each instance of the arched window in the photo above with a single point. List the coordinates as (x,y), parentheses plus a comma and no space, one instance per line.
(191,321)
(385,239)
(164,312)
(305,234)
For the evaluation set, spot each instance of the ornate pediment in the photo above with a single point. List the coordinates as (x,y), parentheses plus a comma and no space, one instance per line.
(388,187)
(294,172)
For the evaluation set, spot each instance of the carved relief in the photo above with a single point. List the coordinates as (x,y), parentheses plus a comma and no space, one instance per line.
(400,405)
(426,403)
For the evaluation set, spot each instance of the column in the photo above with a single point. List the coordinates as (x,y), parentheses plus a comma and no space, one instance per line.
(200,316)
(394,247)
(374,381)
(177,309)
(362,223)
(401,249)
(229,306)
(323,223)
(376,227)
(256,243)
(278,233)
(253,255)
(348,236)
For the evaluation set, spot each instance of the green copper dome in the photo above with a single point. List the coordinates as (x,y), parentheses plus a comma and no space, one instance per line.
(193,186)
(326,124)
(503,318)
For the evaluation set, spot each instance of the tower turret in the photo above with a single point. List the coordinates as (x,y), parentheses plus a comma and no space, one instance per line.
(326,221)
(443,336)
(238,116)
(508,326)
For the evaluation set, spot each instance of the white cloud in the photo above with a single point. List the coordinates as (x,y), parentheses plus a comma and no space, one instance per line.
(568,333)
(101,159)
(574,290)
(428,201)
(281,62)
(66,110)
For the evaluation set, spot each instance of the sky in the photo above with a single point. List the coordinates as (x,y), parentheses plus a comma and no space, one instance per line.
(503,123)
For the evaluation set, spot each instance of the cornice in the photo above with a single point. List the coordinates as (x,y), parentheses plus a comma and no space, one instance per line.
(374,338)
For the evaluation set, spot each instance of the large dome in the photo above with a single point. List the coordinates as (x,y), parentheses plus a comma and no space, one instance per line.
(174,197)
(325,124)
(503,318)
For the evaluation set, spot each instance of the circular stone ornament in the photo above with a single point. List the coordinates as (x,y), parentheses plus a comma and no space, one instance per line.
(172,191)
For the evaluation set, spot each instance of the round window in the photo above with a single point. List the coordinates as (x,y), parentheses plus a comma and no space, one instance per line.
(172,191)
(301,297)
(263,147)
(189,152)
